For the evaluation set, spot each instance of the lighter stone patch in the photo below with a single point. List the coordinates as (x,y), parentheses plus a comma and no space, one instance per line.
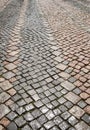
(67,85)
(10,66)
(64,75)
(82,126)
(77,111)
(56,53)
(3,110)
(72,97)
(13,53)
(61,66)
(54,47)
(59,59)
(5,85)
(2,79)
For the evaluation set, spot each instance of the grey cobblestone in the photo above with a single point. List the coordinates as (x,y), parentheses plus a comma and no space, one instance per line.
(11,126)
(20,121)
(64,126)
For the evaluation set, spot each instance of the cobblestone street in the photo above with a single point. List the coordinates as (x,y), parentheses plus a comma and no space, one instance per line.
(44,64)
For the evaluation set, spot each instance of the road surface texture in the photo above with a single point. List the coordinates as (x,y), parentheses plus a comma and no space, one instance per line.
(44,65)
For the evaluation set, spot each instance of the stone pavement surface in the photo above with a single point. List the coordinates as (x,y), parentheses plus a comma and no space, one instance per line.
(3,4)
(45,65)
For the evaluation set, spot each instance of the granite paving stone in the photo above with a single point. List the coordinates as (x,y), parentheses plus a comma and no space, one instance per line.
(12,115)
(26,127)
(3,110)
(9,75)
(49,124)
(72,120)
(28,116)
(65,115)
(57,120)
(50,115)
(61,66)
(64,75)
(82,126)
(63,126)
(42,119)
(5,85)
(86,118)
(11,126)
(77,111)
(72,97)
(5,122)
(20,121)
(10,66)
(87,109)
(4,97)
(67,85)
(35,125)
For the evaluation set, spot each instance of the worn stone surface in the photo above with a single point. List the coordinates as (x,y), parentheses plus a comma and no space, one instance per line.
(3,110)
(77,111)
(67,85)
(4,97)
(12,126)
(64,75)
(61,66)
(72,97)
(5,85)
(82,126)
(5,122)
(9,75)
(44,64)
(10,66)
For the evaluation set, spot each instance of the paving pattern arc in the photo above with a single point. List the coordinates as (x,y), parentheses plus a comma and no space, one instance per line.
(45,65)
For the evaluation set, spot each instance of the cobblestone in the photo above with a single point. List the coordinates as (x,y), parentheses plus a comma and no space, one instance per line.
(35,125)
(86,118)
(49,124)
(5,85)
(81,126)
(11,126)
(72,97)
(5,122)
(77,111)
(4,97)
(28,116)
(3,110)
(20,121)
(44,72)
(67,85)
(12,115)
(72,120)
(64,126)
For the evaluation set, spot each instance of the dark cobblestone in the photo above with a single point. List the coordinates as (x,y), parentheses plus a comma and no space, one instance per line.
(86,118)
(12,126)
